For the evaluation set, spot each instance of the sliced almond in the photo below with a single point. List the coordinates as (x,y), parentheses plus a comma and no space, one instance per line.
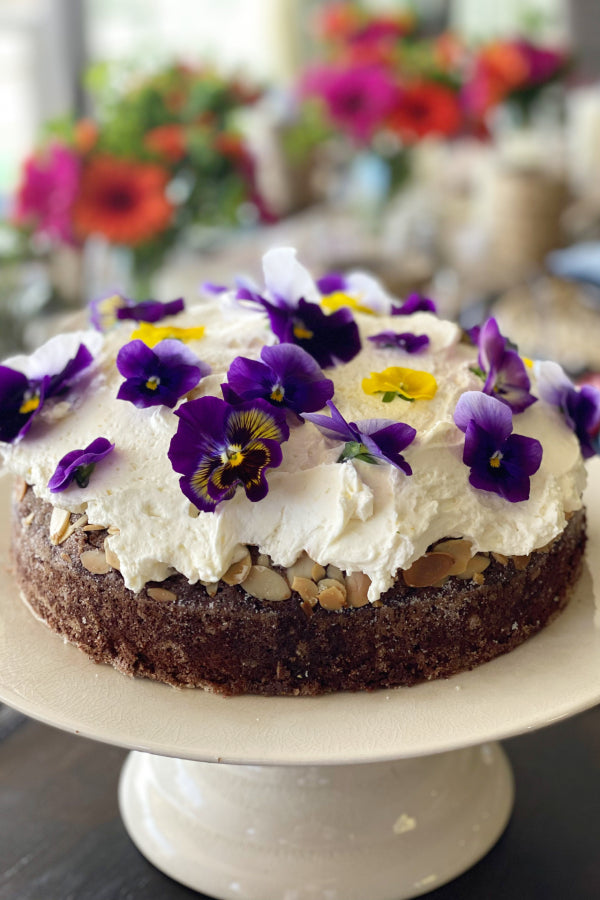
(428,569)
(111,557)
(307,608)
(95,562)
(501,558)
(161,594)
(307,589)
(211,587)
(302,568)
(266,584)
(20,489)
(317,572)
(29,519)
(94,528)
(59,522)
(520,562)
(112,529)
(332,594)
(80,522)
(335,573)
(478,578)
(238,571)
(459,549)
(357,586)
(476,565)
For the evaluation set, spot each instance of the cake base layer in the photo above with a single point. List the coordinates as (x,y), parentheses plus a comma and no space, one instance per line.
(234,643)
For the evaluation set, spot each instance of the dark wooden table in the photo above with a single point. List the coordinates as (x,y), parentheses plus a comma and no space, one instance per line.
(61,836)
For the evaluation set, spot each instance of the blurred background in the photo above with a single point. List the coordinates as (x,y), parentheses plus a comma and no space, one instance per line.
(452,147)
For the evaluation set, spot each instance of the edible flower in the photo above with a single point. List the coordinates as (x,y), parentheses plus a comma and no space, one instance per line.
(370,440)
(151,310)
(78,465)
(414,303)
(410,343)
(287,377)
(218,448)
(580,407)
(328,339)
(158,377)
(24,393)
(106,311)
(396,381)
(500,462)
(357,290)
(153,334)
(502,368)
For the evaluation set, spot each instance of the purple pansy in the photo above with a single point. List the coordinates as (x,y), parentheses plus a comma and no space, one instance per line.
(151,310)
(287,377)
(503,369)
(158,376)
(500,462)
(78,465)
(370,440)
(364,288)
(410,343)
(22,396)
(218,448)
(580,407)
(328,338)
(108,309)
(414,303)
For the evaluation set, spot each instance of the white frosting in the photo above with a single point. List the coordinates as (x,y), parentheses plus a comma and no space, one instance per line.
(360,517)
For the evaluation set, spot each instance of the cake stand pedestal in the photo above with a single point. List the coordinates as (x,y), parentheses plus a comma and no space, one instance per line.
(379,831)
(367,796)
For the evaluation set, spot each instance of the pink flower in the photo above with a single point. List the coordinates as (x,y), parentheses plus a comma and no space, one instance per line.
(47,192)
(358,99)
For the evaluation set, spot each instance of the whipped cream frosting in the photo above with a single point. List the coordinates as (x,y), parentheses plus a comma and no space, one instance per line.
(355,515)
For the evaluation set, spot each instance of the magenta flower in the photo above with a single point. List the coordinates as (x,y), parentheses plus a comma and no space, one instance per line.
(358,99)
(287,377)
(218,448)
(158,376)
(22,398)
(78,465)
(580,407)
(47,193)
(502,368)
(371,440)
(414,303)
(410,343)
(500,462)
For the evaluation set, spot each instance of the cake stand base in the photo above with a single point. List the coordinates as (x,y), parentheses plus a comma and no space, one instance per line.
(374,831)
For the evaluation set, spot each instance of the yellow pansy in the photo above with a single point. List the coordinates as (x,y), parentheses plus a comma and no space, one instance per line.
(153,334)
(339,299)
(409,384)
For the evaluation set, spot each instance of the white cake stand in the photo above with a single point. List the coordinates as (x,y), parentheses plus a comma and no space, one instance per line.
(368,796)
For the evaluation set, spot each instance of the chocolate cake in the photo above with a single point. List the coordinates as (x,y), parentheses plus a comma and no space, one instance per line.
(295,489)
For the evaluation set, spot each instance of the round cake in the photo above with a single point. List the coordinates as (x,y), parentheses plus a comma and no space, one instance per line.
(294,487)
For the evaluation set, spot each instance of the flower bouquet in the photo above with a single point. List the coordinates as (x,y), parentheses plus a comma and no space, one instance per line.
(159,158)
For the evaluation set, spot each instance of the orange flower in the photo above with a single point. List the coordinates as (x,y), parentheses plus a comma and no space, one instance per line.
(167,141)
(122,200)
(85,135)
(426,108)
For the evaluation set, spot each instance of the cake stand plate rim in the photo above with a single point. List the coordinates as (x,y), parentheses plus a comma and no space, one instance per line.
(550,677)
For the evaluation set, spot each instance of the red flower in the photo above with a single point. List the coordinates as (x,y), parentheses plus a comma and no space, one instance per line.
(167,141)
(426,108)
(122,200)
